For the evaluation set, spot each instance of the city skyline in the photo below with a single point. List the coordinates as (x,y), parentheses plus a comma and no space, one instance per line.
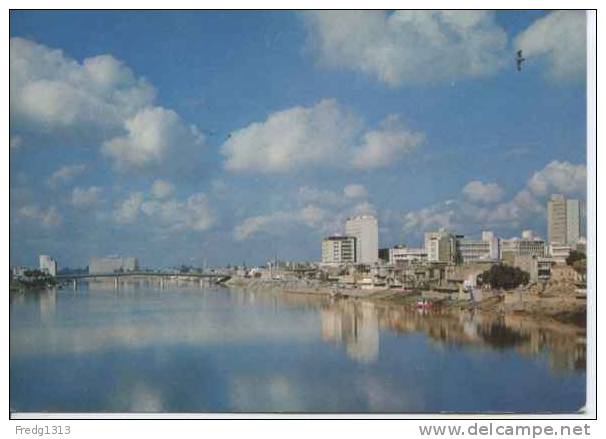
(235,136)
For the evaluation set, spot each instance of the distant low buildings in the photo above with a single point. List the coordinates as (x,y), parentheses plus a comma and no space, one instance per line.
(48,265)
(112,264)
(18,271)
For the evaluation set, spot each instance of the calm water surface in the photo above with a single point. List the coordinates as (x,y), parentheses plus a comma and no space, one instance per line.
(192,349)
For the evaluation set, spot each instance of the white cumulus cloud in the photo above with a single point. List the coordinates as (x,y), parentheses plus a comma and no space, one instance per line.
(292,139)
(476,191)
(436,216)
(386,145)
(559,38)
(99,100)
(151,135)
(408,46)
(169,214)
(50,90)
(194,213)
(323,135)
(128,210)
(279,221)
(564,177)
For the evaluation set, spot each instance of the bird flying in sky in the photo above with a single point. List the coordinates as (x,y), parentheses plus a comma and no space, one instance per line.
(519,60)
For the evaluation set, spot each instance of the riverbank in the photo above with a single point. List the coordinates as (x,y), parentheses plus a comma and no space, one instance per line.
(557,302)
(17,286)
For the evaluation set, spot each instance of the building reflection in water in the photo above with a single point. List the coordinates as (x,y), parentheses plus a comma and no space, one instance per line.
(47,303)
(355,324)
(563,344)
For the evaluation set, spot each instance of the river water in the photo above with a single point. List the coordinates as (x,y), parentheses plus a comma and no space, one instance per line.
(188,348)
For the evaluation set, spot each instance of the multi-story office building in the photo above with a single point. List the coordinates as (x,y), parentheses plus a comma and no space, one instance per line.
(510,248)
(556,219)
(112,264)
(401,253)
(339,250)
(563,220)
(470,250)
(473,250)
(365,228)
(48,265)
(441,246)
(573,222)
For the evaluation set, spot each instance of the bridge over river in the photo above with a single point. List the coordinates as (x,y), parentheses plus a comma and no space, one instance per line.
(161,276)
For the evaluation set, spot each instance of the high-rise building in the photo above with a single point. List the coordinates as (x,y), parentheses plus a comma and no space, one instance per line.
(556,219)
(112,264)
(563,220)
(48,265)
(339,250)
(573,223)
(441,246)
(365,228)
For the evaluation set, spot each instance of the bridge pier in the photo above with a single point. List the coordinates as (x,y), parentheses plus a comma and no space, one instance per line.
(161,282)
(75,284)
(116,283)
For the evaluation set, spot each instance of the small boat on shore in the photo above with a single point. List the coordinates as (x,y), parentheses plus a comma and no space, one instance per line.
(424,304)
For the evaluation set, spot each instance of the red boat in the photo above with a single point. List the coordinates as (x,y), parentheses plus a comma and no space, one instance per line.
(424,304)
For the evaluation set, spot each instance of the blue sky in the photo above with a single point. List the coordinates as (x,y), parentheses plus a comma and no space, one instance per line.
(184,137)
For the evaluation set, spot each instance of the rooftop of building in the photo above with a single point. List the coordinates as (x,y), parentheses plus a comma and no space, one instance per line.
(338,237)
(358,217)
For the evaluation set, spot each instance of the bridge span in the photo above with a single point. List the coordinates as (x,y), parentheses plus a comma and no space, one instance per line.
(162,276)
